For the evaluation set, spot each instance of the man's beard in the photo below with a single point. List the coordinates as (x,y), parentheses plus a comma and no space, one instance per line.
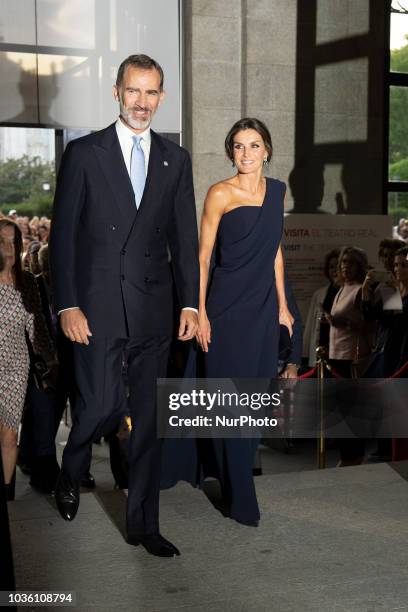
(136,124)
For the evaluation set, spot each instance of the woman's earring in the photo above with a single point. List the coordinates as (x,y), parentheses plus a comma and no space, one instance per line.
(265,161)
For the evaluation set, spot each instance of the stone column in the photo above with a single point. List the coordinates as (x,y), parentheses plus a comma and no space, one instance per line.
(212,86)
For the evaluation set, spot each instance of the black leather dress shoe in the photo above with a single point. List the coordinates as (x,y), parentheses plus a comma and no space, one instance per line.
(155,544)
(88,481)
(67,497)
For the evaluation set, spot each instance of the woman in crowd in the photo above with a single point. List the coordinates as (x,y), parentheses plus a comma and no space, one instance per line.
(20,312)
(350,336)
(244,301)
(317,328)
(43,232)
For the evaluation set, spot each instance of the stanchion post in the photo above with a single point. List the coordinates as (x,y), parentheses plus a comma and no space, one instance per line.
(321,442)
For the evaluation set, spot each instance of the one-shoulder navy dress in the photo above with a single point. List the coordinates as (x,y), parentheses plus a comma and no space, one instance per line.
(242,308)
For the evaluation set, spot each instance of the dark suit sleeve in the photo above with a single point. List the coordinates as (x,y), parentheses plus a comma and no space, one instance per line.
(297,339)
(183,239)
(68,203)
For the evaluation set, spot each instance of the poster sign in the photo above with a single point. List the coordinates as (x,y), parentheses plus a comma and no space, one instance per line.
(307,239)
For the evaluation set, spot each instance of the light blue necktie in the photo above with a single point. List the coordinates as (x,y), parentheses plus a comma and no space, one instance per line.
(137,170)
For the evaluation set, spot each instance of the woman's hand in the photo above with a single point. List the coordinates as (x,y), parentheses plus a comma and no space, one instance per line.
(366,287)
(203,333)
(326,318)
(285,318)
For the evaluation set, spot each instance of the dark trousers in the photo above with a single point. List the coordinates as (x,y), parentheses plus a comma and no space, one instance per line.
(350,448)
(100,402)
(66,384)
(37,437)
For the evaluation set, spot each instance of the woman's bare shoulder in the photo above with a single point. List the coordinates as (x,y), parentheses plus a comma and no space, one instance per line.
(221,192)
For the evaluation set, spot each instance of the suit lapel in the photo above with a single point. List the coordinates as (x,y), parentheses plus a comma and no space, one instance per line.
(111,160)
(113,166)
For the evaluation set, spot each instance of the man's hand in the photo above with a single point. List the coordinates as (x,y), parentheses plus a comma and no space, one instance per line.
(188,325)
(75,326)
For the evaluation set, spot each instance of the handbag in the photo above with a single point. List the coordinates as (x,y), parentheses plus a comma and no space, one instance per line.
(285,343)
(39,370)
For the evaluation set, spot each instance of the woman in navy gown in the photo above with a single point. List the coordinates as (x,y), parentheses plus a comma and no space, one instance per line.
(242,302)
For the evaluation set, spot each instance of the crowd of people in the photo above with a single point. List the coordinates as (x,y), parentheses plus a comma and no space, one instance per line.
(360,319)
(35,232)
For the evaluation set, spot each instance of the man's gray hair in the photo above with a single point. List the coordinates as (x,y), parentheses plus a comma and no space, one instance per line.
(141,61)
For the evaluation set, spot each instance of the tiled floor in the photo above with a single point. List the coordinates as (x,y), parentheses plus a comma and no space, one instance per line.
(329,540)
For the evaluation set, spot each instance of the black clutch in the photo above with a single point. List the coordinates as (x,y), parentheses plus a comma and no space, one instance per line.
(285,343)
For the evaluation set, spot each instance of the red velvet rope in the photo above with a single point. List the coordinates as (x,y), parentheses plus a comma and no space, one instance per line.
(396,374)
(334,372)
(402,369)
(313,371)
(308,374)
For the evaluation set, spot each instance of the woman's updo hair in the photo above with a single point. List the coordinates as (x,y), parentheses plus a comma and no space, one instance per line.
(248,123)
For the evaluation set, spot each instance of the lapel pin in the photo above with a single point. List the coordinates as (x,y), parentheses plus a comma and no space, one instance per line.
(165,163)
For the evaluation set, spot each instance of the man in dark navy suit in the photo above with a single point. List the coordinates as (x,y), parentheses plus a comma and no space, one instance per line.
(124,198)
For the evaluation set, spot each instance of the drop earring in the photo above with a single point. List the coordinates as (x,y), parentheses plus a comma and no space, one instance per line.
(265,161)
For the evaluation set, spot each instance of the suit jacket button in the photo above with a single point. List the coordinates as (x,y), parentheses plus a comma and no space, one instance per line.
(112,227)
(157,230)
(146,279)
(147,254)
(122,276)
(123,252)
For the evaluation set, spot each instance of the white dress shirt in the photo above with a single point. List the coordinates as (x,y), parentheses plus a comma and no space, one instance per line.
(125,137)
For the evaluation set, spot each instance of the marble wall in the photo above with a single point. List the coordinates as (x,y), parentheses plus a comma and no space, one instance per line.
(313,70)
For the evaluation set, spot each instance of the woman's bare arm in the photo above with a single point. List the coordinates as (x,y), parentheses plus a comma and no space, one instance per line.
(285,317)
(214,207)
